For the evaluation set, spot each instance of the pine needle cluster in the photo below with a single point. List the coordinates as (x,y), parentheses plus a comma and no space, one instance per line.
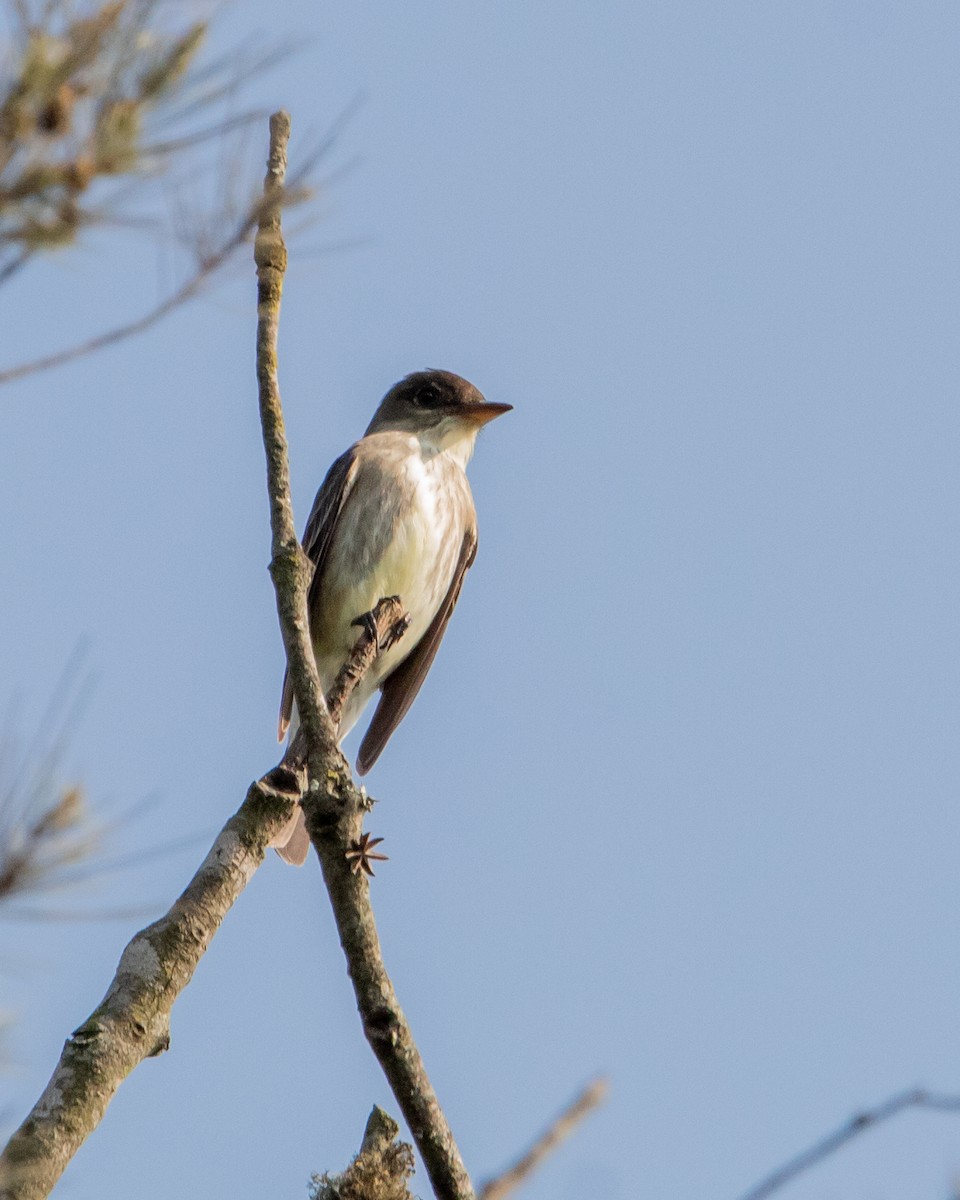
(83,94)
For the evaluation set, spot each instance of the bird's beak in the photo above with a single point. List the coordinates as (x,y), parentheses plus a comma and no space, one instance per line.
(480,414)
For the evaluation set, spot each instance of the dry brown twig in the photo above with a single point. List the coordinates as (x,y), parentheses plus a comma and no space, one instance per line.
(202,275)
(593,1095)
(86,84)
(386,624)
(850,1129)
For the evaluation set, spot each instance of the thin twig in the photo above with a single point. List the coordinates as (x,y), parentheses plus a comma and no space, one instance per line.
(289,566)
(209,264)
(558,1131)
(8,270)
(857,1124)
(333,806)
(389,623)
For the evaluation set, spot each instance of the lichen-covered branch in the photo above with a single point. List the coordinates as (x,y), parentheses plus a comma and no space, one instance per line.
(333,805)
(289,566)
(379,1172)
(132,1022)
(334,810)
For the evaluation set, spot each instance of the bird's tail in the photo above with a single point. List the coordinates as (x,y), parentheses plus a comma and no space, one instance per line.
(292,842)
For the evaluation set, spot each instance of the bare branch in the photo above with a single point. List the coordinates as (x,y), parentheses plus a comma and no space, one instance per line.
(289,566)
(857,1124)
(388,623)
(592,1095)
(9,269)
(333,806)
(334,810)
(133,1020)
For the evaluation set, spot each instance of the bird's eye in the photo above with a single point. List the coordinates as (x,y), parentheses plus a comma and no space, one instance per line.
(429,396)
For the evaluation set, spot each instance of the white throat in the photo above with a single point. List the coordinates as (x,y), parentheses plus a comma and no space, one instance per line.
(452,437)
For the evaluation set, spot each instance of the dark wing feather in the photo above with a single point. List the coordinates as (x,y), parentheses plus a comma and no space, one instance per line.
(399,690)
(317,539)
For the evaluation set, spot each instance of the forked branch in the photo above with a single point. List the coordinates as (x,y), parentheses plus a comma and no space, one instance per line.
(333,805)
(132,1022)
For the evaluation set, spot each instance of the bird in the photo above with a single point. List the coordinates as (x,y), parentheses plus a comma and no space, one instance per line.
(393,517)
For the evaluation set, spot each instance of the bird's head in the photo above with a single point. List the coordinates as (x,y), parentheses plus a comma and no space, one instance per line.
(442,409)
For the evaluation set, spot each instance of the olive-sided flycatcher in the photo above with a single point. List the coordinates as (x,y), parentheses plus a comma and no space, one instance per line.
(394,517)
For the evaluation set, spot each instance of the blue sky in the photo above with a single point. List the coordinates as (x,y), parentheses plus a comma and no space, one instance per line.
(679,799)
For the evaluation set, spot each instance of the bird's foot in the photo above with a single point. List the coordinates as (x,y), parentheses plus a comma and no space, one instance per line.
(395,632)
(372,623)
(368,623)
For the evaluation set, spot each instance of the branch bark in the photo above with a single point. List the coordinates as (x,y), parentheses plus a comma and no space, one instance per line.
(334,807)
(290,568)
(132,1022)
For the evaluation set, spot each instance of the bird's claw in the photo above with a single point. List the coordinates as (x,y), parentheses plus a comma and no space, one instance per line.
(395,632)
(369,623)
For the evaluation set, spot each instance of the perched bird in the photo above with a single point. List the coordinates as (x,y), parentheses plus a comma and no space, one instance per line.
(394,517)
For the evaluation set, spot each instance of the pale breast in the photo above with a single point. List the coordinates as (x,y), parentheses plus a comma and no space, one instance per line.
(399,534)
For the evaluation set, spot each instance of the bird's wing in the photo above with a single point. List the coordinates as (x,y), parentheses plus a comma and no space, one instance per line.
(317,539)
(399,690)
